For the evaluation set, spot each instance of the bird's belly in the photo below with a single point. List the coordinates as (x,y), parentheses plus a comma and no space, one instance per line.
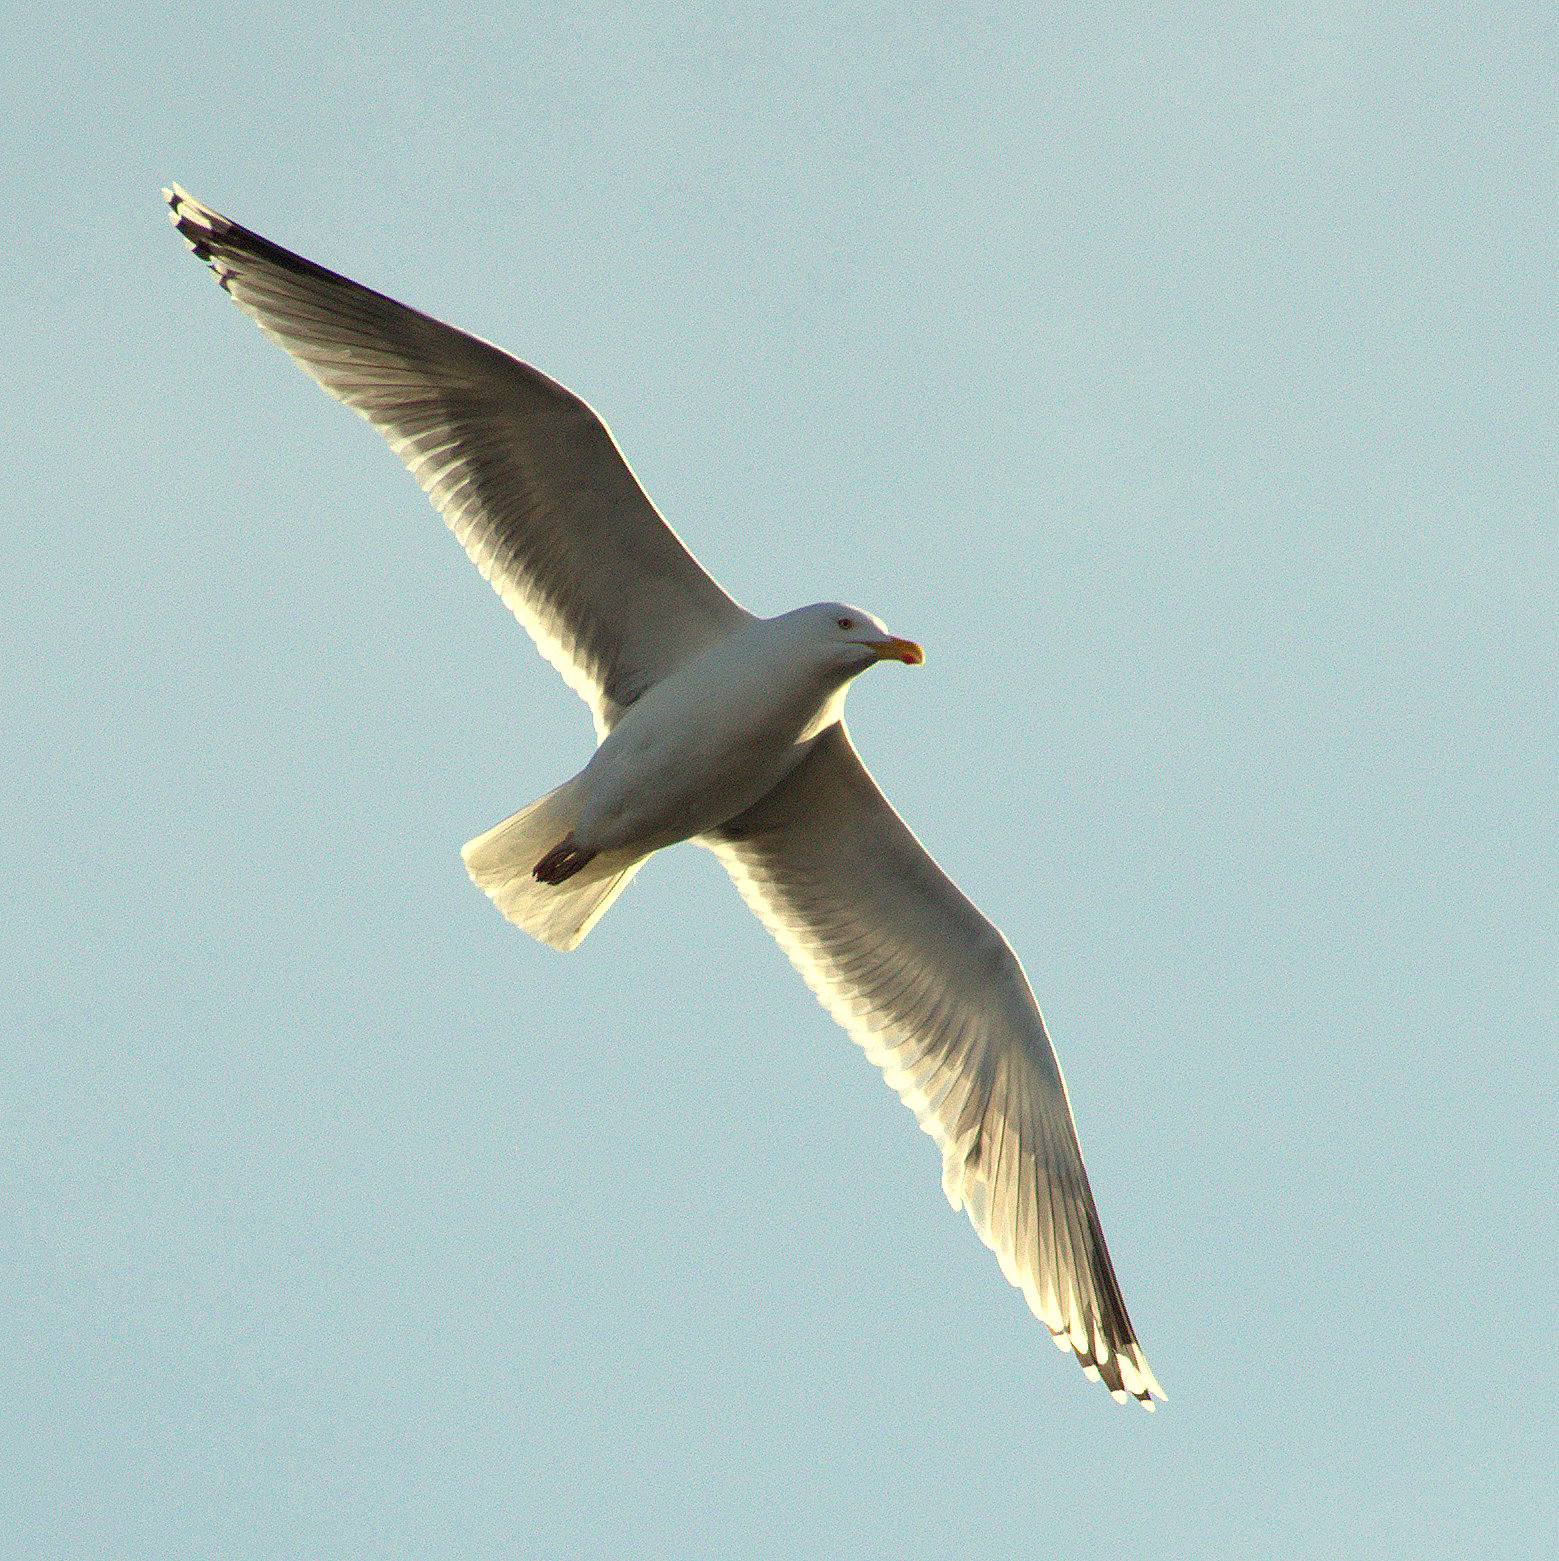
(659,787)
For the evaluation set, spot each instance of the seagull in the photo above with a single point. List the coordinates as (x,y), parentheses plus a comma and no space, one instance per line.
(715,726)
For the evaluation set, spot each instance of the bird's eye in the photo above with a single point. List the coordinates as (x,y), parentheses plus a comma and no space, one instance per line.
(847,623)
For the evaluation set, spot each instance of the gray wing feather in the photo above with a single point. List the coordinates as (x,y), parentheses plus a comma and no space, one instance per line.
(523,472)
(935,996)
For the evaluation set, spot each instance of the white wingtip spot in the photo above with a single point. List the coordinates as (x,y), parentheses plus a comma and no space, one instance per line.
(1131,1378)
(1148,1379)
(185,208)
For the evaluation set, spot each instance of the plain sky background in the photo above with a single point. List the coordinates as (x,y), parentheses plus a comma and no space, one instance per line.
(1184,379)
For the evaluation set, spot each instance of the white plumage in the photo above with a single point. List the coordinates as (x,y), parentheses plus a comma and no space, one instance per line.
(723,728)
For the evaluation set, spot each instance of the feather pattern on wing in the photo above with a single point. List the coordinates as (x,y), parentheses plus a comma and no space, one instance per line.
(523,472)
(935,996)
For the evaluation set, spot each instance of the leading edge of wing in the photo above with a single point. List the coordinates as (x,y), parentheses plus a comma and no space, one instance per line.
(523,471)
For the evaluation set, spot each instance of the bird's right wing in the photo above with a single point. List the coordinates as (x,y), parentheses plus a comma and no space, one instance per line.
(935,996)
(523,472)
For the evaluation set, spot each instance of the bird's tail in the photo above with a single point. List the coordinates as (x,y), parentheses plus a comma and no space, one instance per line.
(501,864)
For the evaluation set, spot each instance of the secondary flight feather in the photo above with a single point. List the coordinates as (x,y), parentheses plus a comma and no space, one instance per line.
(726,729)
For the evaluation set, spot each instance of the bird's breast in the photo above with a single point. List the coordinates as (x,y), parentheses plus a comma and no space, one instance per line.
(694,751)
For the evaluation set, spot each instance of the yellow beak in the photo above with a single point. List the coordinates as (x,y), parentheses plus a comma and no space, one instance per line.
(906,651)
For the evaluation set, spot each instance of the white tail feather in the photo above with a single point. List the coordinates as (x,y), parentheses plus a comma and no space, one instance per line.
(501,860)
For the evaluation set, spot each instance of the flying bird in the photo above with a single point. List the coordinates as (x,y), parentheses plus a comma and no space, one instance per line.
(715,726)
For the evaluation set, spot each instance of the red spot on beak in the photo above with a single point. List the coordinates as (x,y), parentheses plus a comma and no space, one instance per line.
(906,651)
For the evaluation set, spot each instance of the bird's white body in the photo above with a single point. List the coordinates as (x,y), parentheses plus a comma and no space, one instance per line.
(723,730)
(691,754)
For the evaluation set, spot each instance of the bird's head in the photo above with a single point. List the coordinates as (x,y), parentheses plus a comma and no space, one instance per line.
(851,640)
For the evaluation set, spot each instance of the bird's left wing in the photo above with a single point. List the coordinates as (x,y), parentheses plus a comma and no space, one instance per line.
(523,472)
(935,996)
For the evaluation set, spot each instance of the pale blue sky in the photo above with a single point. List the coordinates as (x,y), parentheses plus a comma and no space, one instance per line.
(1184,379)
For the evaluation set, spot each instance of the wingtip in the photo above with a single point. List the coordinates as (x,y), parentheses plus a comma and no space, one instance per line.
(1126,1376)
(185,212)
(200,227)
(176,196)
(1150,1387)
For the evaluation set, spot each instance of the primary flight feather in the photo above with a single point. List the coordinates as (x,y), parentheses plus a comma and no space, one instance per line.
(722,728)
